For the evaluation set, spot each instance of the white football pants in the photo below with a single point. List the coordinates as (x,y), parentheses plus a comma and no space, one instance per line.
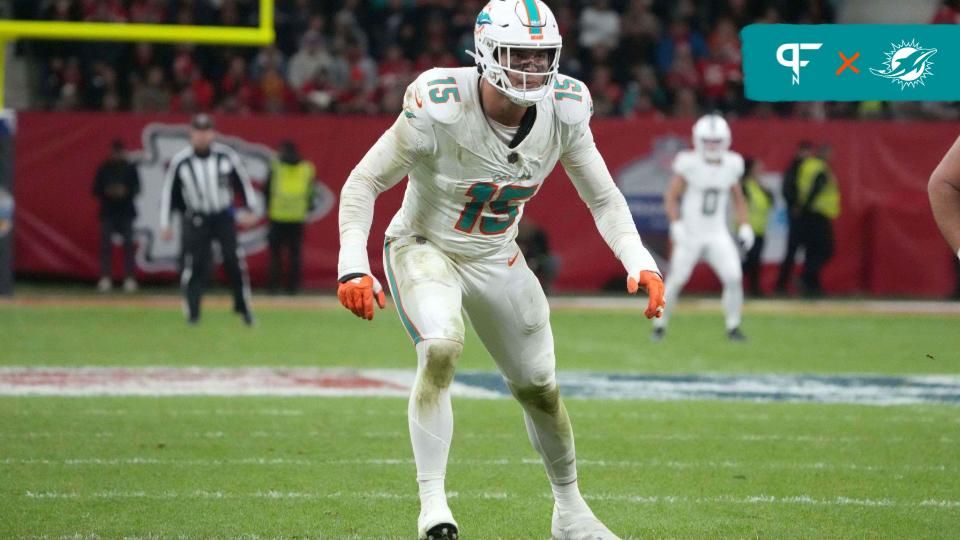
(509,311)
(720,252)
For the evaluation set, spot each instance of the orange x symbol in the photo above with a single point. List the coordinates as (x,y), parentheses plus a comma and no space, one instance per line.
(848,63)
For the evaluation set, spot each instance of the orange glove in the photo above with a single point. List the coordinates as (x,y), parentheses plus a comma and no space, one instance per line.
(357,295)
(653,284)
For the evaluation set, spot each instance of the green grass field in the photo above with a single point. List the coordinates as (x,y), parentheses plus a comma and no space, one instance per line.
(272,467)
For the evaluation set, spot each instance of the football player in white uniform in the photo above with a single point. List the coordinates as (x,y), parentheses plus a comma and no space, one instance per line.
(477,143)
(697,202)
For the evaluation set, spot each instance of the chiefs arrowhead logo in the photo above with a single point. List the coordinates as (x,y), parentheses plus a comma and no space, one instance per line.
(160,143)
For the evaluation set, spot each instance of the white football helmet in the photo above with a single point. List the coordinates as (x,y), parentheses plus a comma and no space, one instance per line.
(711,136)
(503,25)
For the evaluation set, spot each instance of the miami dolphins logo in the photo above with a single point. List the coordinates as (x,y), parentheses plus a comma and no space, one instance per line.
(907,64)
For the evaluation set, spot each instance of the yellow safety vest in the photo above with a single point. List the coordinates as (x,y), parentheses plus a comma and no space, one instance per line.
(758,205)
(290,191)
(827,201)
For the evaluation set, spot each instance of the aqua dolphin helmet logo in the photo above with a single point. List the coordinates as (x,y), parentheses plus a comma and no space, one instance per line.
(907,64)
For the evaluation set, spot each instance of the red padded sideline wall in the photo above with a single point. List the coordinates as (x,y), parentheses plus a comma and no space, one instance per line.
(887,242)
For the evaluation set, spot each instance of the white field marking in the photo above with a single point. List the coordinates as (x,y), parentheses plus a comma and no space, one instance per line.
(586,435)
(337,382)
(184,412)
(199,381)
(927,416)
(761,499)
(619,464)
(786,307)
(576,303)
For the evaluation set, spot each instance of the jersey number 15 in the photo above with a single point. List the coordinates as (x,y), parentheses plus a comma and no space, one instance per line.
(502,201)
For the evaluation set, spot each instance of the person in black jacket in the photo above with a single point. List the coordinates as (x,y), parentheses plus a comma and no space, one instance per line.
(116,186)
(804,150)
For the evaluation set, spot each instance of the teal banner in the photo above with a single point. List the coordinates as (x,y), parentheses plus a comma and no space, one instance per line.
(851,62)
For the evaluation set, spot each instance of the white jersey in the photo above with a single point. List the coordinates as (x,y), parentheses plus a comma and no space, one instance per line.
(467,187)
(468,191)
(706,199)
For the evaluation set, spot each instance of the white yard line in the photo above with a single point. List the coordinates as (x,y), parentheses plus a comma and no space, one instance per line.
(838,306)
(618,464)
(761,499)
(587,435)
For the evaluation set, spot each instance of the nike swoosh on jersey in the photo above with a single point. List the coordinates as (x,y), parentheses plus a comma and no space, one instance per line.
(513,259)
(416,97)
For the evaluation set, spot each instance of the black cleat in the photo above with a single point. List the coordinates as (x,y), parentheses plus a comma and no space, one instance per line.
(736,335)
(443,531)
(248,319)
(658,334)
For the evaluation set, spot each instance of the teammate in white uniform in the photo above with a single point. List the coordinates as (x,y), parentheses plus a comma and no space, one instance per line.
(697,202)
(477,143)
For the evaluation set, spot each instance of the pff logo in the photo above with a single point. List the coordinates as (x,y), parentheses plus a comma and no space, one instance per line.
(907,64)
(794,62)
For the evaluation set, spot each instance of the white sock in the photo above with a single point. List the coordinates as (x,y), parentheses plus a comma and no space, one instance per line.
(432,492)
(430,419)
(732,300)
(568,498)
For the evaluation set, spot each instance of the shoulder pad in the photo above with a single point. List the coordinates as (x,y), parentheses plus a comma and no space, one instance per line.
(435,97)
(571,100)
(736,161)
(683,161)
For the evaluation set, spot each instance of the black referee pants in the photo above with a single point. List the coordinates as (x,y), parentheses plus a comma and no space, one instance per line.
(200,231)
(285,237)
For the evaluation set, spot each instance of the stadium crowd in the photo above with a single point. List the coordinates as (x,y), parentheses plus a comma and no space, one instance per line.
(640,58)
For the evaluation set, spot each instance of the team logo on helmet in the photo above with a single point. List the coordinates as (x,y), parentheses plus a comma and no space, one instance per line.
(505,28)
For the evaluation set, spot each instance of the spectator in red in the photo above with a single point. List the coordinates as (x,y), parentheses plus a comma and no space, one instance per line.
(436,54)
(143,59)
(359,95)
(395,68)
(183,64)
(605,91)
(947,13)
(683,72)
(148,11)
(197,95)
(721,70)
(104,11)
(237,91)
(320,92)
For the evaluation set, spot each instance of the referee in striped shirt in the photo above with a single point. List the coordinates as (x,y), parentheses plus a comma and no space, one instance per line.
(203,181)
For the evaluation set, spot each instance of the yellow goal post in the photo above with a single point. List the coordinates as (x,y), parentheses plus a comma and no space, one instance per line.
(12,30)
